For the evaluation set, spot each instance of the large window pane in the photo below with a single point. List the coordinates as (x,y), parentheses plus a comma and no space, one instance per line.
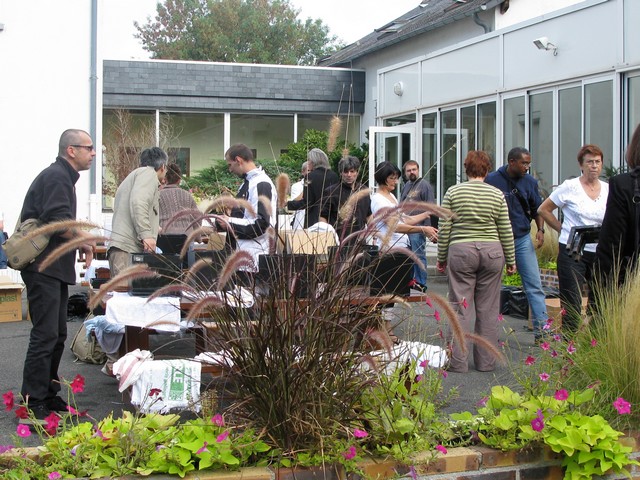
(266,135)
(448,145)
(598,117)
(350,126)
(429,148)
(570,132)
(634,105)
(401,120)
(201,134)
(125,134)
(513,126)
(467,132)
(487,129)
(541,139)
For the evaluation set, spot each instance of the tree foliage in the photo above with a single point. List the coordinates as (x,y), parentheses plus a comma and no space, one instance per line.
(244,31)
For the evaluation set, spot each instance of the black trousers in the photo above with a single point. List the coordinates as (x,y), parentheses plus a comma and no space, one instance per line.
(572,276)
(48,299)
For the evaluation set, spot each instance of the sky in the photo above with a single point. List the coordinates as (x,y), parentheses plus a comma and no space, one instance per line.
(350,20)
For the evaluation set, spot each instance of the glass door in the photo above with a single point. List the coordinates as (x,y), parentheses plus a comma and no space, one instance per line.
(392,144)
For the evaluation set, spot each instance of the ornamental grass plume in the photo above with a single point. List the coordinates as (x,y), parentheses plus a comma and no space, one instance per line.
(613,332)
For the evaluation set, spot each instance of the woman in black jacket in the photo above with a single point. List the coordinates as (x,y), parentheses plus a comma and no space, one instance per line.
(619,237)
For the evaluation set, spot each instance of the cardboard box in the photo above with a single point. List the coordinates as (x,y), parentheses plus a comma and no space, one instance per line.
(217,240)
(554,309)
(10,300)
(308,243)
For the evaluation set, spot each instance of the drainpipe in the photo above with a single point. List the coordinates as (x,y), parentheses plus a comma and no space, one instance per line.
(93,92)
(477,21)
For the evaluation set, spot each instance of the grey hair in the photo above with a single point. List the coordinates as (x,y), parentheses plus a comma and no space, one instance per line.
(304,166)
(348,163)
(318,158)
(153,157)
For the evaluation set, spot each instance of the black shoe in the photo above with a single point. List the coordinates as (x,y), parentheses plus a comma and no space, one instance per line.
(37,415)
(56,404)
(419,287)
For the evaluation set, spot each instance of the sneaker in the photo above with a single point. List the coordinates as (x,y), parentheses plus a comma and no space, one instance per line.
(56,404)
(37,415)
(418,286)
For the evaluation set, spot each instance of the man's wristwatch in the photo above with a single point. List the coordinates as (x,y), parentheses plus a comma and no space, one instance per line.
(541,229)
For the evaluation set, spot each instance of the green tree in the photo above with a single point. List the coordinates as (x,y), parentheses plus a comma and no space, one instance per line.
(245,31)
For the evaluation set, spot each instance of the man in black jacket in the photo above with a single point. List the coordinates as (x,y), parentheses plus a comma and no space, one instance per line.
(318,179)
(51,197)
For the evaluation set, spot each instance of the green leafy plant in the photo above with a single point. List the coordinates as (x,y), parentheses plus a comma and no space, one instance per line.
(590,446)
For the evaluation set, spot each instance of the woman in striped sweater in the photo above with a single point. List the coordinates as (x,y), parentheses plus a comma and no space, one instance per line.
(474,245)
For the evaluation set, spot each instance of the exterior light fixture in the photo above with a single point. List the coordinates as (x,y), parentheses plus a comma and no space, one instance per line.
(543,43)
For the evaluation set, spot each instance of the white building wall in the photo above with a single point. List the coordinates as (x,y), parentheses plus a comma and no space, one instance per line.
(522,10)
(44,89)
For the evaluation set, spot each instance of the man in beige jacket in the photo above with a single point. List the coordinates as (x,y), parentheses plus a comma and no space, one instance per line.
(136,218)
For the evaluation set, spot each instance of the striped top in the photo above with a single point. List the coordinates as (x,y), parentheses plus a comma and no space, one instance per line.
(481,216)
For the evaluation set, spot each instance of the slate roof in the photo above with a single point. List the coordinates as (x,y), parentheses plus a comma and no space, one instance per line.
(428,15)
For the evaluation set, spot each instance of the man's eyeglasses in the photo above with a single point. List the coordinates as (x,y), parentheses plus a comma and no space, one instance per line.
(88,147)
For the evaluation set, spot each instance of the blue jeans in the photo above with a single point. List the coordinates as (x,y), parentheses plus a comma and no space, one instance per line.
(419,247)
(527,264)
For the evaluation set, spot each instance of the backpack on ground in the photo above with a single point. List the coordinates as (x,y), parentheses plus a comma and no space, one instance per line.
(87,350)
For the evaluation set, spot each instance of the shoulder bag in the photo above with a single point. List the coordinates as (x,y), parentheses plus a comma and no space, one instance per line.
(22,248)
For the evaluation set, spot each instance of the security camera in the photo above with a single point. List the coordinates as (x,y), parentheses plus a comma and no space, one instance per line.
(543,43)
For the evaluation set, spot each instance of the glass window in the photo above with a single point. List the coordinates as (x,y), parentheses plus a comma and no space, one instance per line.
(570,132)
(350,128)
(634,105)
(449,147)
(513,126)
(429,148)
(201,134)
(541,139)
(401,120)
(266,135)
(125,134)
(467,132)
(598,117)
(487,129)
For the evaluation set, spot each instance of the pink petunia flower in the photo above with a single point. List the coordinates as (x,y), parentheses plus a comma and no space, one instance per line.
(73,450)
(482,402)
(22,412)
(441,449)
(77,386)
(544,376)
(9,400)
(202,449)
(546,326)
(54,476)
(222,437)
(500,317)
(154,391)
(418,378)
(98,434)
(359,433)
(537,424)
(529,360)
(594,342)
(561,394)
(557,337)
(424,363)
(428,302)
(23,431)
(6,448)
(465,304)
(563,312)
(622,406)
(571,348)
(436,314)
(545,346)
(52,423)
(444,373)
(350,453)
(217,420)
(553,354)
